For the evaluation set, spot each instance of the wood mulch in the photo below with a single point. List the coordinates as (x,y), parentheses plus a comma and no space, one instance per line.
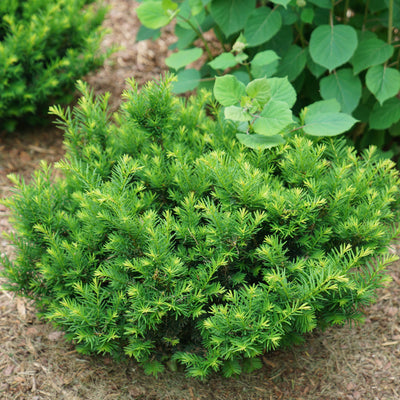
(358,362)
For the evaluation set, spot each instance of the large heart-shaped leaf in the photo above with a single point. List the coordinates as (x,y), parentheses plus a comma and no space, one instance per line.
(323,106)
(332,46)
(153,14)
(372,51)
(383,82)
(188,79)
(228,90)
(259,90)
(264,63)
(274,117)
(293,63)
(260,141)
(385,115)
(282,90)
(183,57)
(261,26)
(327,124)
(344,87)
(231,15)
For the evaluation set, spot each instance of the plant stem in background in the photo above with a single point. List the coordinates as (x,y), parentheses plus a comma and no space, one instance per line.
(365,15)
(390,22)
(200,36)
(346,9)
(331,13)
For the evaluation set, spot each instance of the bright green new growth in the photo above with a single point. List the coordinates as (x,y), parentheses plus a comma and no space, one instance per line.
(167,239)
(44,47)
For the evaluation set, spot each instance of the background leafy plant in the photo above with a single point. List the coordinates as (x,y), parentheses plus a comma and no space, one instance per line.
(45,45)
(168,241)
(346,50)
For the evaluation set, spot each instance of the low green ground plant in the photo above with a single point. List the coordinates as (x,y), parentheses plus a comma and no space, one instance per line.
(45,46)
(169,241)
(343,50)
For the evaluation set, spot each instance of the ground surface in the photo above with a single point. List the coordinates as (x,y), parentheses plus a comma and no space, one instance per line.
(361,362)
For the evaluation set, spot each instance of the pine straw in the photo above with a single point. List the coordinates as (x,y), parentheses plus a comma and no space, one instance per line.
(359,362)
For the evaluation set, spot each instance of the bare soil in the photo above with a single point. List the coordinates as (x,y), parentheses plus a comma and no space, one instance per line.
(348,362)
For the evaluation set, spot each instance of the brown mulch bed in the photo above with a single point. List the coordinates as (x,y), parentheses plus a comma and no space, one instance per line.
(359,362)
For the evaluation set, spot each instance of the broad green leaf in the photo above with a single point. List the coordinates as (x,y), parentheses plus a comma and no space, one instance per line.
(237,114)
(169,5)
(332,46)
(293,63)
(188,79)
(327,4)
(187,19)
(183,57)
(145,33)
(274,117)
(383,82)
(327,124)
(344,87)
(152,14)
(289,17)
(196,6)
(316,69)
(307,15)
(228,90)
(323,107)
(242,76)
(231,15)
(371,52)
(264,63)
(185,38)
(223,61)
(259,90)
(385,115)
(283,3)
(282,90)
(260,141)
(261,26)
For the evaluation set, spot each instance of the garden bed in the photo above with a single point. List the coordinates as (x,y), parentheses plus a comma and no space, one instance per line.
(360,362)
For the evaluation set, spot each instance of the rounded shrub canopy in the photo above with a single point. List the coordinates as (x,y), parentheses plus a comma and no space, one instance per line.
(45,45)
(166,239)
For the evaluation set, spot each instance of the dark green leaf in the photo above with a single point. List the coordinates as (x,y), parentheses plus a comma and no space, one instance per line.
(188,79)
(385,115)
(383,82)
(332,46)
(261,26)
(344,87)
(231,15)
(371,52)
(293,63)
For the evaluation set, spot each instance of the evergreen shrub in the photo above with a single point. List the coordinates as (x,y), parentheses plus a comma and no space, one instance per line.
(168,241)
(45,46)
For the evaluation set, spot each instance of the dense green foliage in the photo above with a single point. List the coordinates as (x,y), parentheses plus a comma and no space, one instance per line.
(344,50)
(45,46)
(167,239)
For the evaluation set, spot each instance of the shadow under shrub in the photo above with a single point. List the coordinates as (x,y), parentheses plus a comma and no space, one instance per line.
(45,46)
(168,241)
